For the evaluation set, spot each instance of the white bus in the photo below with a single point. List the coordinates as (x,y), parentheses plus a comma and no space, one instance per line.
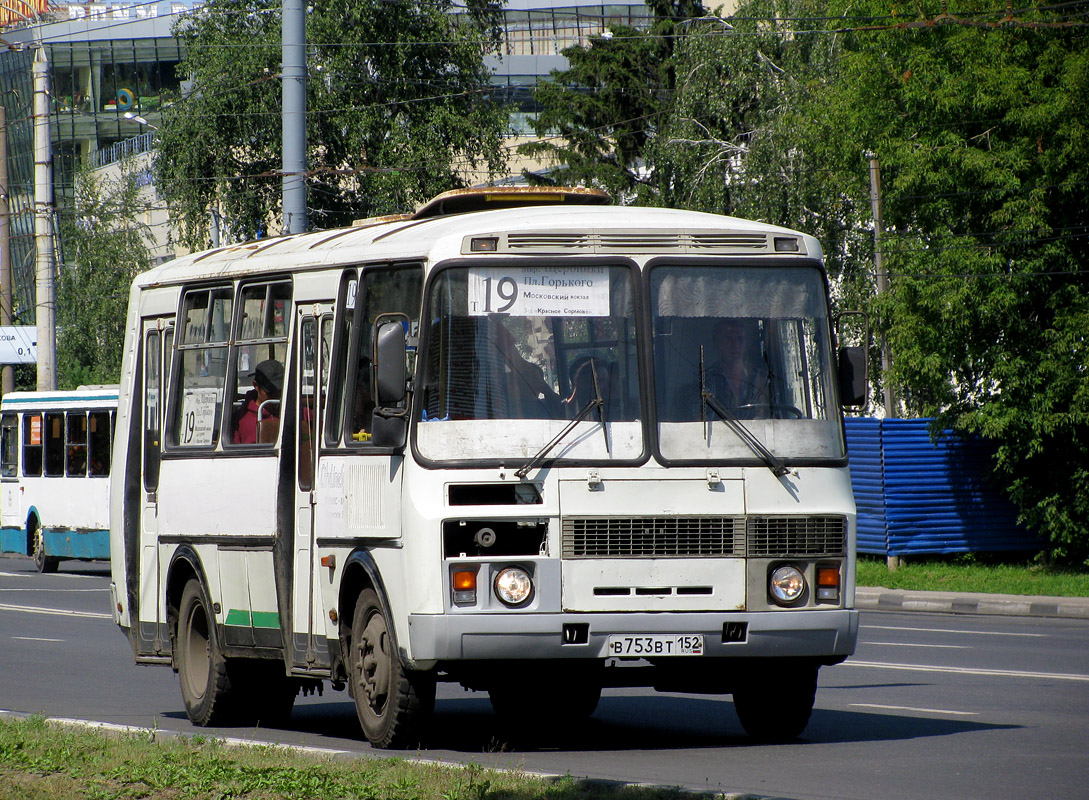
(489,443)
(55,454)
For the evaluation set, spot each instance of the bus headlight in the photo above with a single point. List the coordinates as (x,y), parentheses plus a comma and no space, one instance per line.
(786,585)
(513,586)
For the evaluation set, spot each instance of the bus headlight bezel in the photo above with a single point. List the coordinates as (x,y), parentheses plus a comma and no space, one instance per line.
(787,585)
(513,586)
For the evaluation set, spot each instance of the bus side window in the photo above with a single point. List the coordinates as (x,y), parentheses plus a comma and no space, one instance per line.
(76,464)
(99,443)
(32,445)
(204,334)
(54,444)
(9,446)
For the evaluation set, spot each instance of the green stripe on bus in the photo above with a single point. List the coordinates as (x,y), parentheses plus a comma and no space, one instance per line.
(258,619)
(266,619)
(238,617)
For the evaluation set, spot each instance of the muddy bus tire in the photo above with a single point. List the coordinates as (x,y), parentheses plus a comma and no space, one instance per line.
(391,702)
(202,670)
(774,704)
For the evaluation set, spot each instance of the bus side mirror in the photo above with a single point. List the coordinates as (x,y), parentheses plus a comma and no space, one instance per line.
(390,373)
(853,383)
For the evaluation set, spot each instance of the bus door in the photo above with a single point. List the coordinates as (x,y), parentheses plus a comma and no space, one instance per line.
(158,337)
(315,326)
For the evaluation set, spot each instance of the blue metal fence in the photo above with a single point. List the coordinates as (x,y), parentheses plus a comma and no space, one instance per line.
(916,496)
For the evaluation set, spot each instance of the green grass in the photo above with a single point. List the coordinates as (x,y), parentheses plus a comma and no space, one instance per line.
(974,573)
(41,761)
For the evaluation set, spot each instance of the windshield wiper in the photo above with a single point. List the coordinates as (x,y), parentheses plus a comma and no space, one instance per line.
(708,400)
(595,402)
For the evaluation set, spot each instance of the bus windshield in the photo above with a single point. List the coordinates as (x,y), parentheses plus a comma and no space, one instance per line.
(752,344)
(513,355)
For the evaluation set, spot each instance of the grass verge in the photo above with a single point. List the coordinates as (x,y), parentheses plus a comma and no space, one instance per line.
(973,573)
(42,761)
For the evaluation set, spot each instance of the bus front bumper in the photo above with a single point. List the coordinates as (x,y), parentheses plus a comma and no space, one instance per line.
(830,634)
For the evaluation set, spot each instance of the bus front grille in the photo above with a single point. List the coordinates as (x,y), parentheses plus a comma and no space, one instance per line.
(779,537)
(704,537)
(653,537)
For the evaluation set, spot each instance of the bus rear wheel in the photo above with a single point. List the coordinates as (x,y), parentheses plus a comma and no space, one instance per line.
(774,702)
(42,562)
(202,670)
(391,701)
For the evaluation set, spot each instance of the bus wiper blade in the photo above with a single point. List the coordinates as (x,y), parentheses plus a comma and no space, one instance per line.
(708,399)
(595,402)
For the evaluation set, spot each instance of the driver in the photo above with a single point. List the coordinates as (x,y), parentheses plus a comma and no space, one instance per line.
(738,376)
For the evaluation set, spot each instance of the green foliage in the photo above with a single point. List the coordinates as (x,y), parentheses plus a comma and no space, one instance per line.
(599,115)
(103,247)
(981,128)
(397,111)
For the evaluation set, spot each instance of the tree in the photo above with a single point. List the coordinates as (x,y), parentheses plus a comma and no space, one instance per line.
(598,116)
(398,110)
(981,128)
(104,246)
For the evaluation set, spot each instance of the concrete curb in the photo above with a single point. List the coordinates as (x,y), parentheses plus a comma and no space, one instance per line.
(878,598)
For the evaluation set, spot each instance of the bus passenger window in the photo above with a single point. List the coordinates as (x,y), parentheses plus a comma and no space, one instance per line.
(77,445)
(9,446)
(100,443)
(206,328)
(32,445)
(54,444)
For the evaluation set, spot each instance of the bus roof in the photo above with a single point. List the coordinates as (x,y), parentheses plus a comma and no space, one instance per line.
(545,229)
(83,397)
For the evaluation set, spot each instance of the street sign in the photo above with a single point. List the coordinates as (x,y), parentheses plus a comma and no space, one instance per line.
(18,344)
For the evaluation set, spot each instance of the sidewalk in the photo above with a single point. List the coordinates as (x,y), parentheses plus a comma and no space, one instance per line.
(877,598)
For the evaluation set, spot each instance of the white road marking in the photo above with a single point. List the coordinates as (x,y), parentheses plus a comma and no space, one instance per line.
(57,591)
(951,630)
(909,644)
(1001,673)
(917,710)
(60,612)
(35,639)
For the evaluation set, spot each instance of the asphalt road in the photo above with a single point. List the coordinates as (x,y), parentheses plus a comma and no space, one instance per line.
(931,706)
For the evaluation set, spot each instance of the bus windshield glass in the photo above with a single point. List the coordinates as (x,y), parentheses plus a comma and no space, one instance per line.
(513,355)
(748,343)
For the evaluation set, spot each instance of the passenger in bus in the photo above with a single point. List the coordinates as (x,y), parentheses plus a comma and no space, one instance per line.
(738,377)
(268,384)
(529,394)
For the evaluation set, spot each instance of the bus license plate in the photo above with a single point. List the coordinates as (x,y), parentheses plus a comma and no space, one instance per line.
(651,645)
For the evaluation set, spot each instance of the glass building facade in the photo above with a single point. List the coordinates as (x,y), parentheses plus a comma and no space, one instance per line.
(112,58)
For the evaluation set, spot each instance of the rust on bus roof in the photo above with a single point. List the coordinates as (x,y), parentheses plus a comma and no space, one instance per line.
(480,198)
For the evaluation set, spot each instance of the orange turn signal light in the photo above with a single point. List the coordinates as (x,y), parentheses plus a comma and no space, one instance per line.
(465,581)
(827,576)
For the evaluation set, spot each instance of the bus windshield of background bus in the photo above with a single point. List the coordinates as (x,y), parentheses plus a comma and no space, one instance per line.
(762,338)
(512,355)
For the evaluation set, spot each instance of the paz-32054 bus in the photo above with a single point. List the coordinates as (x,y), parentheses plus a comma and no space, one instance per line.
(520,440)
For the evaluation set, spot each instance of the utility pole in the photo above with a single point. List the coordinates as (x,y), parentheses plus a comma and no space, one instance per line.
(7,373)
(882,282)
(293,74)
(44,283)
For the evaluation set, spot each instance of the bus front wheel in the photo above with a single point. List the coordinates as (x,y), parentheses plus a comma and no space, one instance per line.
(42,562)
(774,703)
(391,701)
(202,670)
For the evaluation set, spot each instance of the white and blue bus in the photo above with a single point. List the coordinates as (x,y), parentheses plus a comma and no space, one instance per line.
(55,455)
(503,442)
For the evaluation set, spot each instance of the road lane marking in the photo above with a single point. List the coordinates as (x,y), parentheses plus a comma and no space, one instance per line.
(952,630)
(1000,673)
(60,612)
(913,709)
(35,639)
(909,644)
